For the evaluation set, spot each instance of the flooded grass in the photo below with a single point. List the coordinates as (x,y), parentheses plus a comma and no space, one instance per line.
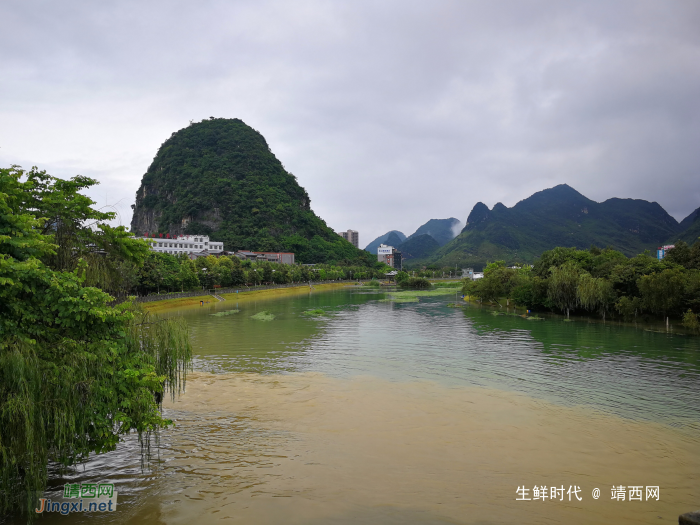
(227,312)
(412,296)
(263,316)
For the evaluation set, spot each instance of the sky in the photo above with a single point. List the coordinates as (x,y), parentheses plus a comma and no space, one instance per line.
(389,113)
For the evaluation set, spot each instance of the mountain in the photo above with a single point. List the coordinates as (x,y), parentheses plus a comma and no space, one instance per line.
(218,177)
(418,247)
(442,230)
(689,229)
(558,216)
(386,239)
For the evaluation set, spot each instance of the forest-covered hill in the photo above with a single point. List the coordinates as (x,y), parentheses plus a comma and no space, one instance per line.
(688,229)
(558,216)
(218,177)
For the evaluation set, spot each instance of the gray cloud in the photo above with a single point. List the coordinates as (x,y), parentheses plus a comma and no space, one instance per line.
(389,113)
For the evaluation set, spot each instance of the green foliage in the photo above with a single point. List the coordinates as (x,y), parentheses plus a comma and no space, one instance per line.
(401,277)
(595,294)
(662,292)
(315,313)
(263,316)
(75,373)
(691,322)
(416,283)
(80,233)
(563,286)
(628,307)
(225,313)
(595,281)
(220,175)
(412,296)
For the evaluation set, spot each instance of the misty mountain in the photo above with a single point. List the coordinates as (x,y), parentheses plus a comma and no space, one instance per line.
(442,230)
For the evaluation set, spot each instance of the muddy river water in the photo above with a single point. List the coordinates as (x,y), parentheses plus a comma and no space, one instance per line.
(375,411)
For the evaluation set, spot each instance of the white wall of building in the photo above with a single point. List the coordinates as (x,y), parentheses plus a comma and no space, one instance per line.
(185,244)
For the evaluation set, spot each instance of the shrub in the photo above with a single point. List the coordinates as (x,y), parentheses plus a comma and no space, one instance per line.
(415,283)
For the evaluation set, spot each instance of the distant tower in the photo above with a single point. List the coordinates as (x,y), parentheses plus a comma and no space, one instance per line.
(352,237)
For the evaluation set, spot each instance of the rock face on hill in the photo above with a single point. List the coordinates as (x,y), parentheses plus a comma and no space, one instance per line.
(558,216)
(218,177)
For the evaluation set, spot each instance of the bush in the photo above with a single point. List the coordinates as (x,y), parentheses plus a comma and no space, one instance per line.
(691,322)
(415,283)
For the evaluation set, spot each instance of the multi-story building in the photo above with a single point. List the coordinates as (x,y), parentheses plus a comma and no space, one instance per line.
(352,237)
(389,255)
(661,252)
(276,257)
(188,244)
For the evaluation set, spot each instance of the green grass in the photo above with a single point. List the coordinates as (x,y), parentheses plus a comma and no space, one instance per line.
(314,313)
(227,312)
(263,316)
(412,296)
(446,284)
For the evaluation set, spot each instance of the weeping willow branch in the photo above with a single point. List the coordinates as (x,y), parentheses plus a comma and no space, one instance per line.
(62,402)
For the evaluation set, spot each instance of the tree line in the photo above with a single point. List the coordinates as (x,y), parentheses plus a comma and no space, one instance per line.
(602,282)
(163,272)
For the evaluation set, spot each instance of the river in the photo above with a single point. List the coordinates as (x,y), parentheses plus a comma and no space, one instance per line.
(380,411)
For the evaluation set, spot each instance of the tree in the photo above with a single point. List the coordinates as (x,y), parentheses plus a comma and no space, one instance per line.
(75,373)
(679,254)
(402,277)
(595,293)
(662,292)
(79,231)
(563,286)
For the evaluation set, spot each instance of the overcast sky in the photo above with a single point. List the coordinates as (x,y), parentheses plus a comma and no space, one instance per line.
(389,113)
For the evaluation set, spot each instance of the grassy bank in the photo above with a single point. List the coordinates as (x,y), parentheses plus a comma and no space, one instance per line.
(242,296)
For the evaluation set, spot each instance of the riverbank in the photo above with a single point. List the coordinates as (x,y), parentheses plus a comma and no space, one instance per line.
(242,296)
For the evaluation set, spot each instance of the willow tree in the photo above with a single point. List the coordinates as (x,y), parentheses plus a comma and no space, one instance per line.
(595,294)
(563,286)
(75,373)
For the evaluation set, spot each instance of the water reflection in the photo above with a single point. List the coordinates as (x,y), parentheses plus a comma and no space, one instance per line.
(631,372)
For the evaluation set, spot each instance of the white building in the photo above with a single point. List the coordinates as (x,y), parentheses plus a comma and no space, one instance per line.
(382,251)
(186,244)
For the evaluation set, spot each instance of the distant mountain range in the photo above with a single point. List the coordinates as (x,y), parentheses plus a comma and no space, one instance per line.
(442,230)
(421,243)
(689,228)
(558,216)
(392,238)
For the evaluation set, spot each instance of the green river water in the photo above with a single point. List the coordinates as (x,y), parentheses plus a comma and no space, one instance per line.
(413,412)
